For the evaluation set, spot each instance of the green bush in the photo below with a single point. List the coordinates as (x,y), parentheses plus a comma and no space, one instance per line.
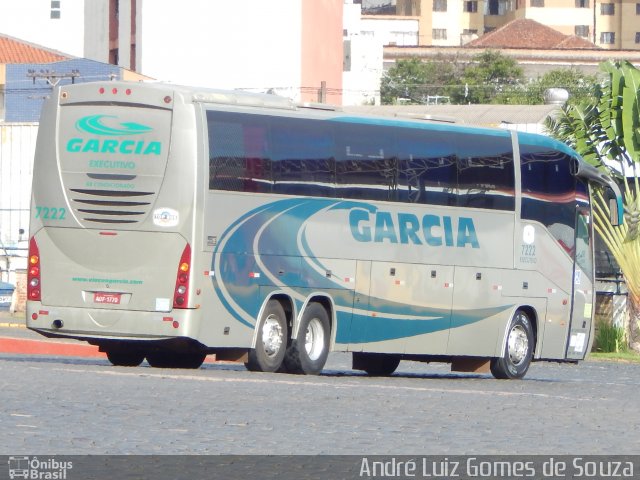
(610,338)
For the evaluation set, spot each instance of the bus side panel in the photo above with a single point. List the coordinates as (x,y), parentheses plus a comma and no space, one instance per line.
(474,331)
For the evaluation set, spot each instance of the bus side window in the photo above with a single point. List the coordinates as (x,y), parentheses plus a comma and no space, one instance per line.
(486,172)
(366,164)
(427,167)
(302,151)
(549,192)
(238,159)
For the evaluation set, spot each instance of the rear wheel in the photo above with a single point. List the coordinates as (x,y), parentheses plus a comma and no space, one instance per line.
(124,358)
(376,364)
(518,350)
(175,360)
(271,343)
(308,352)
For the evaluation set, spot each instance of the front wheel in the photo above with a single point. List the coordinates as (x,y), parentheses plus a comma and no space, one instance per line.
(271,343)
(308,352)
(518,350)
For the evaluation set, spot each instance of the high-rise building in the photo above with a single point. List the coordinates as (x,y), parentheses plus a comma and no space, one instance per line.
(609,24)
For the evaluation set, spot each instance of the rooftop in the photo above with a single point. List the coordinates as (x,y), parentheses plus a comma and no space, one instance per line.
(526,33)
(15,51)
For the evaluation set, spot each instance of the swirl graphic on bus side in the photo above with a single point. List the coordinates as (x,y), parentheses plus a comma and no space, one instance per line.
(268,249)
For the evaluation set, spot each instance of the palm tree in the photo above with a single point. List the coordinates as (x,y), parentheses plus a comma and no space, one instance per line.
(605,131)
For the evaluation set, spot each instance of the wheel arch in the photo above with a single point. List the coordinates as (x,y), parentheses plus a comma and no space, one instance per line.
(327,302)
(532,314)
(288,305)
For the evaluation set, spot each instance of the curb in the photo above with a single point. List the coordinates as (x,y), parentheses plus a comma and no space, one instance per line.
(36,347)
(21,346)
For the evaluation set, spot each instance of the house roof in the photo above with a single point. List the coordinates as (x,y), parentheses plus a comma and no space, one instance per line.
(529,34)
(13,51)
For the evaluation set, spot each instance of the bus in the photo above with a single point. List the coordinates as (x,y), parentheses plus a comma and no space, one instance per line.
(169,223)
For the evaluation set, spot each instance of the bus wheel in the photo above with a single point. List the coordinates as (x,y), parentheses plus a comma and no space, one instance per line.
(123,358)
(175,360)
(308,352)
(518,351)
(271,343)
(376,364)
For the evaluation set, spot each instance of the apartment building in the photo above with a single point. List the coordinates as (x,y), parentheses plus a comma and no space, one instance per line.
(608,24)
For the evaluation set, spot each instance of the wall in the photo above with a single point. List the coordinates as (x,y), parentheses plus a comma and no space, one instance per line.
(17,148)
(322,49)
(23,99)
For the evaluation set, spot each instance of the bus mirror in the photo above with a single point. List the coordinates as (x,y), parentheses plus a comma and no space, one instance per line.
(614,212)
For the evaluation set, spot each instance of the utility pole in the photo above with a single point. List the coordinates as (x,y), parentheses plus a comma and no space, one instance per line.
(52,77)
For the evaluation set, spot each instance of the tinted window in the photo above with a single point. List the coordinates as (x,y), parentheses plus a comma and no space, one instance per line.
(366,165)
(427,167)
(238,158)
(485,171)
(549,191)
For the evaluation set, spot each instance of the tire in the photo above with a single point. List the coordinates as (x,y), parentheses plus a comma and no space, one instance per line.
(308,352)
(175,360)
(376,364)
(518,350)
(125,358)
(271,343)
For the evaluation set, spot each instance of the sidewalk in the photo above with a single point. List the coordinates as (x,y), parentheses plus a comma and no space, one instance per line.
(15,338)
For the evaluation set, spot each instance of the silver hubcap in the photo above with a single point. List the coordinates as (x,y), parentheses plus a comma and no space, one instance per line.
(314,339)
(518,344)
(272,336)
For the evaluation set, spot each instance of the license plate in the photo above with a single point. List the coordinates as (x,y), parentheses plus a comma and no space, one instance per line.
(110,298)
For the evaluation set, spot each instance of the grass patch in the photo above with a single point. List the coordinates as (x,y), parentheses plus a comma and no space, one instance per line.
(628,356)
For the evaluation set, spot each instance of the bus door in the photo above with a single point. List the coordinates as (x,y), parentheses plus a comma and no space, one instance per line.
(583,287)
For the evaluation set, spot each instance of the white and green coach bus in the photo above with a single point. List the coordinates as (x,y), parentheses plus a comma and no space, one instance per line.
(169,223)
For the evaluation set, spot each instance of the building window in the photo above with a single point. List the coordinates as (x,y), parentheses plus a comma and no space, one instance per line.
(55,9)
(537,3)
(637,8)
(582,3)
(471,6)
(582,31)
(470,31)
(439,34)
(637,37)
(439,5)
(607,9)
(607,38)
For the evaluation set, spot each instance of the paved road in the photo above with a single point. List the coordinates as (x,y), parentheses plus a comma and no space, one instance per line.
(63,405)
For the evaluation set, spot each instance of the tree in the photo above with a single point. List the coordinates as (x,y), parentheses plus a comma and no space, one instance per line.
(580,86)
(606,132)
(413,81)
(484,80)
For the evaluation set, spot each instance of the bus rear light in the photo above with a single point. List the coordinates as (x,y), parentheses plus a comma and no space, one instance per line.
(34,285)
(181,291)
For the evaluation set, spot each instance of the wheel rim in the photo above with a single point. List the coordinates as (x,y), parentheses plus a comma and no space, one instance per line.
(518,345)
(272,336)
(314,339)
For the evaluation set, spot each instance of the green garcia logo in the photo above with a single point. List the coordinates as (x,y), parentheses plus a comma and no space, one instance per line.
(105,126)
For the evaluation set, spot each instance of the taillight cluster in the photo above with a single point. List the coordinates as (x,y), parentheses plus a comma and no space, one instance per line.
(181,292)
(33,274)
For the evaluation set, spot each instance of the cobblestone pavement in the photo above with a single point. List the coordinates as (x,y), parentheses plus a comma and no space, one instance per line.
(56,405)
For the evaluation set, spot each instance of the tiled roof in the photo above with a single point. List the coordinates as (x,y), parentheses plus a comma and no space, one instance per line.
(14,51)
(526,33)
